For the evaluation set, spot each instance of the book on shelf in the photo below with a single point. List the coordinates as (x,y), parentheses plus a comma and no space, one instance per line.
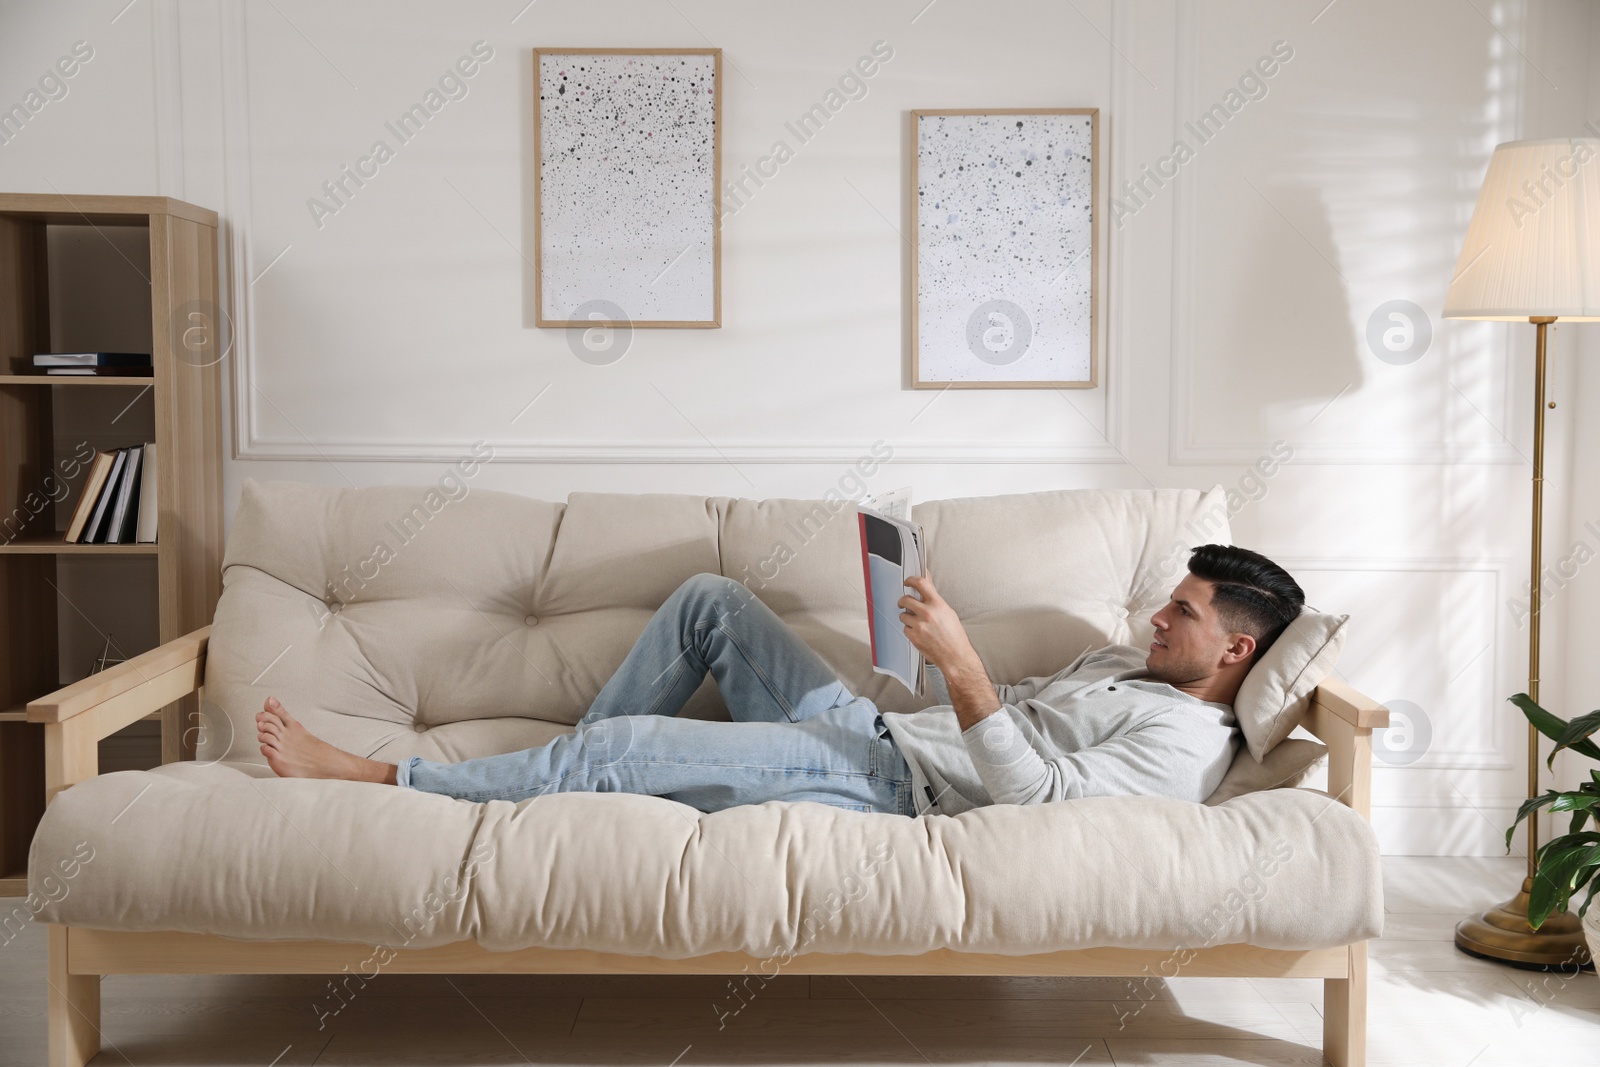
(92,484)
(145,371)
(91,359)
(120,528)
(95,532)
(118,502)
(145,531)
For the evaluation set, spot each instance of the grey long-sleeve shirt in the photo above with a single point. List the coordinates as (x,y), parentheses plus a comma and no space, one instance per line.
(1099,727)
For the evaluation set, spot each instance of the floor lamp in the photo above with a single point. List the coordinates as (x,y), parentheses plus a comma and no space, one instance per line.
(1532,254)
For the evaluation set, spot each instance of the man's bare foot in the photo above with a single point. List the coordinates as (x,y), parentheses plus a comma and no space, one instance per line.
(292,751)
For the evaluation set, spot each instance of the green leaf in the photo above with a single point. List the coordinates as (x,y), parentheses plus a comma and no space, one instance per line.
(1578,818)
(1551,726)
(1528,808)
(1577,730)
(1565,842)
(1542,902)
(1574,801)
(1553,882)
(1593,889)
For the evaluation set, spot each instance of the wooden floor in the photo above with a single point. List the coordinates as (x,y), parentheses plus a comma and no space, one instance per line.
(1431,1006)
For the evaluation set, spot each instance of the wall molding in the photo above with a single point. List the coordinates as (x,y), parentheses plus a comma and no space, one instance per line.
(250,443)
(234,222)
(166,48)
(1114,357)
(1459,826)
(792,452)
(1451,803)
(1353,454)
(1500,755)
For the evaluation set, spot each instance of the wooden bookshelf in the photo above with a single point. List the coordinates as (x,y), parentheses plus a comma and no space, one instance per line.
(56,545)
(72,379)
(184,398)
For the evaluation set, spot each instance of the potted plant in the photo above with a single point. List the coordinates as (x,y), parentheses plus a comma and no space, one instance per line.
(1566,864)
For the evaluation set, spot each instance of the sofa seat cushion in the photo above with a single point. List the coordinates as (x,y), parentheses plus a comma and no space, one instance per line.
(229,849)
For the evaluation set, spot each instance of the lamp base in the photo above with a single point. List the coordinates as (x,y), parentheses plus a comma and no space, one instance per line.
(1502,933)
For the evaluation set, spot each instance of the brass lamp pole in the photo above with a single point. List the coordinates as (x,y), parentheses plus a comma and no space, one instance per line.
(1532,253)
(1503,932)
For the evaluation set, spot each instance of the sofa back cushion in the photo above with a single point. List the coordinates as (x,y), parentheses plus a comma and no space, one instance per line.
(1285,766)
(402,620)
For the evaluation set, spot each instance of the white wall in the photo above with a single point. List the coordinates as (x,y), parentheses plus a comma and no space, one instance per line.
(1580,680)
(376,347)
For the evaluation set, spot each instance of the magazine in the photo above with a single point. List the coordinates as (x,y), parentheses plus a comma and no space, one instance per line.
(893,548)
(896,503)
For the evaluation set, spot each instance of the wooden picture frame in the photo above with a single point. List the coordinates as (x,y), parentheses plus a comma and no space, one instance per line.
(566,286)
(945,341)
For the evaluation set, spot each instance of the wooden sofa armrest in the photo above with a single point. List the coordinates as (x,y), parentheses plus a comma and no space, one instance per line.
(1351,705)
(76,717)
(1343,718)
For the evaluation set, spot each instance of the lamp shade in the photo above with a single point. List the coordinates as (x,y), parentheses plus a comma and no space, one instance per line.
(1533,247)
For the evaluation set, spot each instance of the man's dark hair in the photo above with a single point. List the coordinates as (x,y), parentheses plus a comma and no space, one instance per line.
(1253,595)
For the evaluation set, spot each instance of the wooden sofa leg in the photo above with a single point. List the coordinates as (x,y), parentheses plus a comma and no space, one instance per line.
(74,1008)
(1344,1013)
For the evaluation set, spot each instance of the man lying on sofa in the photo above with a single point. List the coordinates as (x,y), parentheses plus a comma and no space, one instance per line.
(1115,721)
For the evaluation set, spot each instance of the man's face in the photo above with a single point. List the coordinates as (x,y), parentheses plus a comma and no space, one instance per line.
(1190,639)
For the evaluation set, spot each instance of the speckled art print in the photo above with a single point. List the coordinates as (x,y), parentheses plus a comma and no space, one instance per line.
(1005,272)
(627,166)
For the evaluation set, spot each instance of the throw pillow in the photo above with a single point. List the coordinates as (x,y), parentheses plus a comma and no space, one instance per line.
(1276,695)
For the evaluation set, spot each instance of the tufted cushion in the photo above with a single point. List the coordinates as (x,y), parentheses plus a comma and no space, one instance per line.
(488,623)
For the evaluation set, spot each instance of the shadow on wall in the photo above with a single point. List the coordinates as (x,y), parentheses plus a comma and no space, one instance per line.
(1305,351)
(1381,179)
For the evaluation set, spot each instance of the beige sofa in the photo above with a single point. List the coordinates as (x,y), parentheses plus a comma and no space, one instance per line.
(449,623)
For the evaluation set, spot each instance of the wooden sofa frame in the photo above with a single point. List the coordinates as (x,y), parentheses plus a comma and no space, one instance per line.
(77,717)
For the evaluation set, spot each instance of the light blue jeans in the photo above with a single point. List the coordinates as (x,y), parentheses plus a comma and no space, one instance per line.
(797,732)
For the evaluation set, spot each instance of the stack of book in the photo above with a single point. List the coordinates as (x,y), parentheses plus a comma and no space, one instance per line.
(113,364)
(118,503)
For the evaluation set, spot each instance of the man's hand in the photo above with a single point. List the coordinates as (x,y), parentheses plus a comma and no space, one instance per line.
(932,626)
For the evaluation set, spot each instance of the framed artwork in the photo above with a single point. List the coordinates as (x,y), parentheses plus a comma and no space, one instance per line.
(1007,223)
(627,149)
